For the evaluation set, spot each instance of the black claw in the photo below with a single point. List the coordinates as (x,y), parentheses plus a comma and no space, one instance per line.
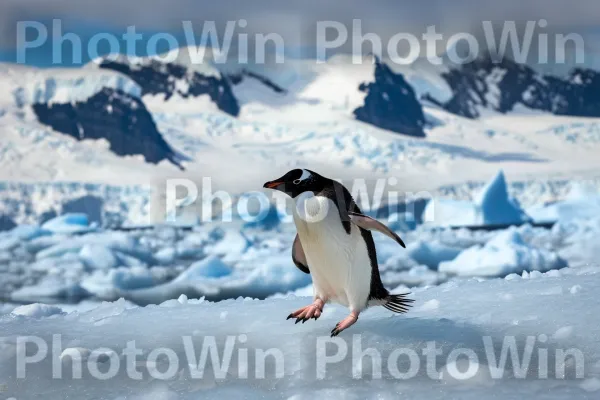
(289,316)
(304,320)
(298,320)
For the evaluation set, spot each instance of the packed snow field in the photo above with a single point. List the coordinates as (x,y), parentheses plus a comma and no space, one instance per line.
(550,317)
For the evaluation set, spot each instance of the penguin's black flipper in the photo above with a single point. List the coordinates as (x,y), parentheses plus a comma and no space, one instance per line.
(299,257)
(369,223)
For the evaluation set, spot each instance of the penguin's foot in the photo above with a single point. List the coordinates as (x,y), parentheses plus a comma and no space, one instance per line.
(345,323)
(311,311)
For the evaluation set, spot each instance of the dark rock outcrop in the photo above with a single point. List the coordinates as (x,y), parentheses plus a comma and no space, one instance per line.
(156,77)
(236,79)
(110,114)
(391,103)
(501,86)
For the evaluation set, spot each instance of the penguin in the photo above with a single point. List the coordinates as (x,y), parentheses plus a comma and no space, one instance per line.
(335,246)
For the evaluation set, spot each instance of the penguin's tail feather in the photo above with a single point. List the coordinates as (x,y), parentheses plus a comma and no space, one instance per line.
(398,303)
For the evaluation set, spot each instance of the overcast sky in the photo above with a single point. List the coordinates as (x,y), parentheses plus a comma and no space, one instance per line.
(294,20)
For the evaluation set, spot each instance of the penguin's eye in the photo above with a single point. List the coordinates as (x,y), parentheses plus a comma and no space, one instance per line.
(297,181)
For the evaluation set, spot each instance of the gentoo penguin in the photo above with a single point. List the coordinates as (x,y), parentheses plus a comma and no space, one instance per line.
(334,244)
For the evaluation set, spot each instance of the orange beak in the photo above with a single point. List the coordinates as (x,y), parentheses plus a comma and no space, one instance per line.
(272,184)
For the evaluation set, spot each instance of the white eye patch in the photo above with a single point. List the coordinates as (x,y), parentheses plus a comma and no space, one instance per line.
(305,175)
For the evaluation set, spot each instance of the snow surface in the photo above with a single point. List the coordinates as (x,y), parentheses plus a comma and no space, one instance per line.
(61,85)
(557,310)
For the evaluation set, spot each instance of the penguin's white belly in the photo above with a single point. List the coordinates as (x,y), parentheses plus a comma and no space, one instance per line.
(339,262)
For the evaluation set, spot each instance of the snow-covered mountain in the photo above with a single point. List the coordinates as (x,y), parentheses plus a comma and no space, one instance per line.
(391,103)
(383,97)
(169,79)
(131,123)
(115,116)
(484,85)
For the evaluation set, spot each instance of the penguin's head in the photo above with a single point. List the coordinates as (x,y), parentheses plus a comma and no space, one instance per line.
(298,181)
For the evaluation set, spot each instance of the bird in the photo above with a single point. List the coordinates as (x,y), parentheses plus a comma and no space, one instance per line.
(335,246)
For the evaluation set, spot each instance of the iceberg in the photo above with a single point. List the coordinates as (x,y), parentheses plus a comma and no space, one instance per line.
(491,206)
(506,253)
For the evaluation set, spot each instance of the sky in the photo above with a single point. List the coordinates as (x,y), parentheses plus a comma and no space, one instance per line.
(294,20)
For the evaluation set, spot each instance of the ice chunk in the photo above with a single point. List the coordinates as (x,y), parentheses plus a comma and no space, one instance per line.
(109,284)
(165,255)
(51,288)
(68,223)
(74,355)
(401,222)
(446,212)
(37,310)
(268,219)
(28,232)
(563,333)
(58,250)
(432,254)
(495,205)
(210,267)
(97,256)
(582,203)
(491,206)
(231,245)
(504,254)
(9,243)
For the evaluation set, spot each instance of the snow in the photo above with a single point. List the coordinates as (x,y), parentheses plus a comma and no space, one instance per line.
(68,85)
(455,315)
(197,58)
